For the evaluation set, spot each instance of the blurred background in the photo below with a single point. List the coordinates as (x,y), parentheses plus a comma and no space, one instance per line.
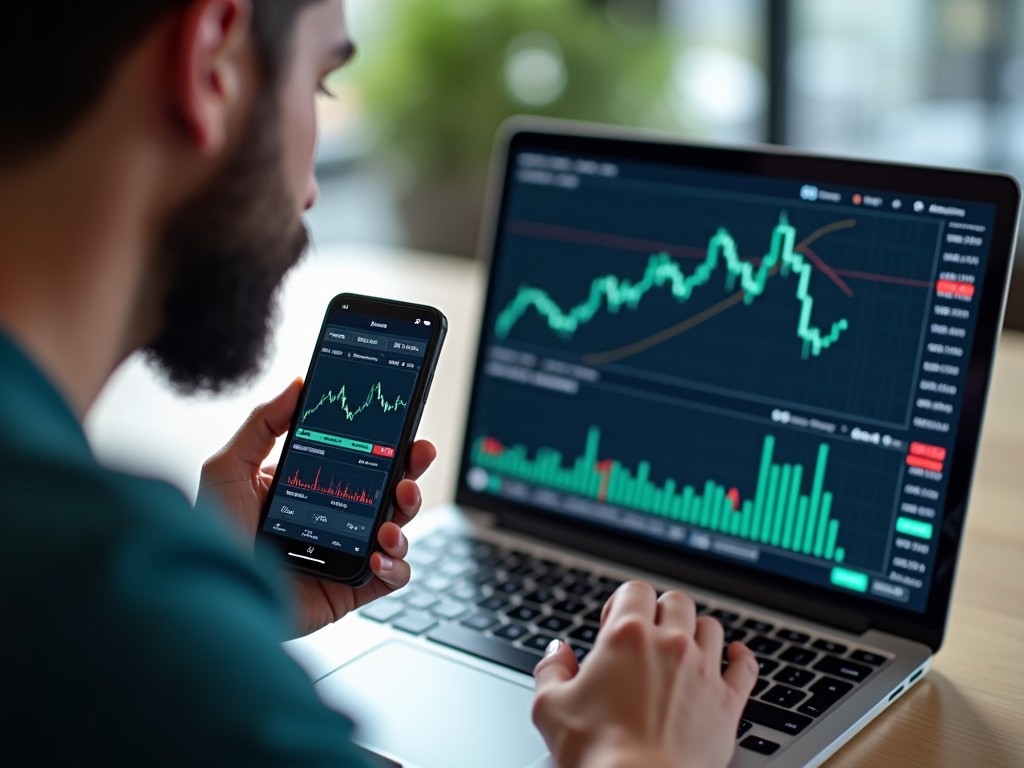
(407,136)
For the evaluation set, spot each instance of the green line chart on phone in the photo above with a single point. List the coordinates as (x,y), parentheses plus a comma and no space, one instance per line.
(359,401)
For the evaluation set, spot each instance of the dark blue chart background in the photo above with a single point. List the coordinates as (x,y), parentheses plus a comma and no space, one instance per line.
(878,274)
(372,424)
(691,446)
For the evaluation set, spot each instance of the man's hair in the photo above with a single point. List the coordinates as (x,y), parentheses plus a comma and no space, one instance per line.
(57,56)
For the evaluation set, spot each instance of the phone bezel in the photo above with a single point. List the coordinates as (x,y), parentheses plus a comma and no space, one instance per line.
(340,566)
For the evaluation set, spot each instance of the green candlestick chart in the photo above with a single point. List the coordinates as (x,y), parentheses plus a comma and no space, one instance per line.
(615,292)
(780,514)
(341,398)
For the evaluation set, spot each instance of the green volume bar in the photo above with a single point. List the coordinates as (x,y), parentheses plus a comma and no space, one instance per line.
(779,515)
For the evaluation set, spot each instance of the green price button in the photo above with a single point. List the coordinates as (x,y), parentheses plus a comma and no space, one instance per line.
(916,528)
(847,579)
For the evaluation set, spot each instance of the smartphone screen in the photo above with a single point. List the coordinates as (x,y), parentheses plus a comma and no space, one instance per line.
(346,450)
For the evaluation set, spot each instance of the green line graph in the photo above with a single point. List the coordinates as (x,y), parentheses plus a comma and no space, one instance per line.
(616,293)
(341,399)
(780,513)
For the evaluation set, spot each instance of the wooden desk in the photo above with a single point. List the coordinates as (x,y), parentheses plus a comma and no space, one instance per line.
(969,711)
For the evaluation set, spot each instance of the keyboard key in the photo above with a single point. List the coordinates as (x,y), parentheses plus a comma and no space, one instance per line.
(830,687)
(784,696)
(463,639)
(757,744)
(414,622)
(732,634)
(383,610)
(449,609)
(844,668)
(766,666)
(827,692)
(570,607)
(759,626)
(867,657)
(764,645)
(512,631)
(578,589)
(540,596)
(555,624)
(421,600)
(480,621)
(523,613)
(537,642)
(759,686)
(829,647)
(587,633)
(494,603)
(745,725)
(794,676)
(793,636)
(434,583)
(509,587)
(815,706)
(550,579)
(801,656)
(724,616)
(594,617)
(465,590)
(775,718)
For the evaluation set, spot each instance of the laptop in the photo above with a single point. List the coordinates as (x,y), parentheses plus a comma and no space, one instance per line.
(751,373)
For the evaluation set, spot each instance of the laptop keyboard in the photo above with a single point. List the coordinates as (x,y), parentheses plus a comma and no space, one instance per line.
(505,606)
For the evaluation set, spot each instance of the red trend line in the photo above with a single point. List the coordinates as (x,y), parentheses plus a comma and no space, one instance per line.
(554,232)
(826,269)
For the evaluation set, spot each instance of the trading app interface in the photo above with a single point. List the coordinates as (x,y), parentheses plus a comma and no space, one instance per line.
(342,452)
(766,371)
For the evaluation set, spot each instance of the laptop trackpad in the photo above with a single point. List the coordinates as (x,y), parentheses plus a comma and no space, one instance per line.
(429,711)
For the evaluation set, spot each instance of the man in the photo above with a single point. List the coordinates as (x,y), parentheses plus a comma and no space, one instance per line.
(155,161)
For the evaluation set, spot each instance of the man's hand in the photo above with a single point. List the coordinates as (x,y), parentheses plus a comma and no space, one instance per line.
(237,480)
(651,691)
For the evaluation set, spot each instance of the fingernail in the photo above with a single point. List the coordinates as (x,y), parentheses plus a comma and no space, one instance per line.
(553,647)
(386,563)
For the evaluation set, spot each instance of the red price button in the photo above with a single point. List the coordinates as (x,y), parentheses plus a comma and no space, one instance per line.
(384,450)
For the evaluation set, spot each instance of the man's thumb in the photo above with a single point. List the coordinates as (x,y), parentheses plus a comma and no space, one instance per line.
(255,439)
(558,665)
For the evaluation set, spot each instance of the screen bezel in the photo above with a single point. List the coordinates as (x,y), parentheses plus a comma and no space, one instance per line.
(848,611)
(341,566)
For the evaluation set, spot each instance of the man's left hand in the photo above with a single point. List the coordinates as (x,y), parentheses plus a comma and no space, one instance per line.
(237,479)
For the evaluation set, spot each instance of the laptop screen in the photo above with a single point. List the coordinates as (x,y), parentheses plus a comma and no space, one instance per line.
(724,359)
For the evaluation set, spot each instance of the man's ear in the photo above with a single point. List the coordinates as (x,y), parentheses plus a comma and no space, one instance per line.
(211,68)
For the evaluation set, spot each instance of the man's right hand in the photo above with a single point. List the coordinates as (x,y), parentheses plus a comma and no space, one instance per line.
(651,693)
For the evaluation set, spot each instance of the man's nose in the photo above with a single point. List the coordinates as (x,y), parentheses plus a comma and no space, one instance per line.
(312,192)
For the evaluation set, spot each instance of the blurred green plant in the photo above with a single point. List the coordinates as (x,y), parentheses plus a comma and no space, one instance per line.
(449,72)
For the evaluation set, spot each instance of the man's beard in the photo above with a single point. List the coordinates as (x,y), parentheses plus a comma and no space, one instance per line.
(225,252)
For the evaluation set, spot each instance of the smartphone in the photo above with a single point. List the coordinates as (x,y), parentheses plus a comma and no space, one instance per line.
(348,443)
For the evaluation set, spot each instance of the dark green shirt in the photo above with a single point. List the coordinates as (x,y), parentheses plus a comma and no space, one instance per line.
(135,628)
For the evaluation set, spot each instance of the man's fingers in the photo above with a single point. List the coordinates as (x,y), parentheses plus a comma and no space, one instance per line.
(407,502)
(421,456)
(393,571)
(558,665)
(676,609)
(392,540)
(633,599)
(255,439)
(742,672)
(710,635)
